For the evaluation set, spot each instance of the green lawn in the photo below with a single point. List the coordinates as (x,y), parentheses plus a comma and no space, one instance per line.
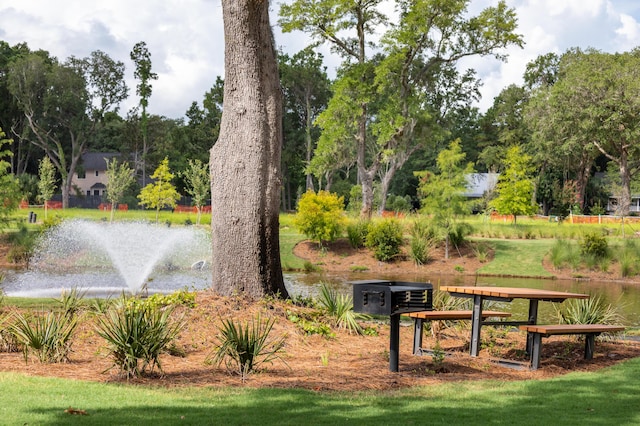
(609,396)
(522,258)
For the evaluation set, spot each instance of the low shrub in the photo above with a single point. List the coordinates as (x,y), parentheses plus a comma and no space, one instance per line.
(47,335)
(594,245)
(419,249)
(385,239)
(320,216)
(357,233)
(243,347)
(340,307)
(587,311)
(136,334)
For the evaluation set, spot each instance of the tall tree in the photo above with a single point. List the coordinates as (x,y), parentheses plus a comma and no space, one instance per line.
(64,104)
(419,54)
(141,57)
(245,161)
(592,109)
(306,89)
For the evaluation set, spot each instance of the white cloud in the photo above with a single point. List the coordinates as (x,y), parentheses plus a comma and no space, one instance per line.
(186,41)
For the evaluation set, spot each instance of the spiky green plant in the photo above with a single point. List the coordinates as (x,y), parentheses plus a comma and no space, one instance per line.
(48,335)
(340,307)
(419,250)
(136,334)
(593,310)
(71,301)
(243,347)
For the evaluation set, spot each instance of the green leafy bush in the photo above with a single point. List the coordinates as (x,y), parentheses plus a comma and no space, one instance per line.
(47,335)
(245,346)
(357,233)
(320,216)
(136,335)
(594,245)
(385,239)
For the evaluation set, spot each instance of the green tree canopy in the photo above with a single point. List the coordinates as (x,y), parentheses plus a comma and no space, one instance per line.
(9,190)
(161,193)
(119,178)
(515,185)
(443,193)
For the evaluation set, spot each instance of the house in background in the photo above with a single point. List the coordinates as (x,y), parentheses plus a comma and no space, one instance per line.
(90,178)
(480,183)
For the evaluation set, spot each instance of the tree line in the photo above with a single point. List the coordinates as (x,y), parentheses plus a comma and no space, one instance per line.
(396,102)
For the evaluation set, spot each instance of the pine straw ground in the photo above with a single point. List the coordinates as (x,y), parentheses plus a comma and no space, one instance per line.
(345,362)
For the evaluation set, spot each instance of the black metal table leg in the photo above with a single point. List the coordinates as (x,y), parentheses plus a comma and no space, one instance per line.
(476,324)
(533,319)
(394,342)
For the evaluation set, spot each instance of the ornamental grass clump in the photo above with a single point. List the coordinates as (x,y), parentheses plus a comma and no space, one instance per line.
(47,335)
(340,307)
(593,310)
(245,346)
(137,333)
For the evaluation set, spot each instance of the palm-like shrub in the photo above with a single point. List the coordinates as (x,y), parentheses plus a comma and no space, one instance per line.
(340,307)
(136,334)
(587,311)
(48,335)
(243,347)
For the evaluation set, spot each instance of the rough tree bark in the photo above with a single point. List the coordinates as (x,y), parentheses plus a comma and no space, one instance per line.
(245,161)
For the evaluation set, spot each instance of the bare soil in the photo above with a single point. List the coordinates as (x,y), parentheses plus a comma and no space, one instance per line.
(346,362)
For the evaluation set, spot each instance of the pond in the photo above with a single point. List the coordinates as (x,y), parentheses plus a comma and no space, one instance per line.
(625,296)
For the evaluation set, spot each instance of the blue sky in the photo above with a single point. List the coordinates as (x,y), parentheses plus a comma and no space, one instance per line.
(186,41)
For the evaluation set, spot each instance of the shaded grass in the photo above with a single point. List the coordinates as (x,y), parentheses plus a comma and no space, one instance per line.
(522,258)
(608,396)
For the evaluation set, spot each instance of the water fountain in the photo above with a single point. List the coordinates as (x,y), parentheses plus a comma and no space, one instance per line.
(105,259)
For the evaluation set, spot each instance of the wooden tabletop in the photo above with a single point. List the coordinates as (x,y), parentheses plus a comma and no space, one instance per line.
(513,292)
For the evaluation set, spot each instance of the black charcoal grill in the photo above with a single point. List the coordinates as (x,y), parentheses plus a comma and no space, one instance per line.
(380,297)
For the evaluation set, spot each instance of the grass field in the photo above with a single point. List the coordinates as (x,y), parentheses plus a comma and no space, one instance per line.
(608,396)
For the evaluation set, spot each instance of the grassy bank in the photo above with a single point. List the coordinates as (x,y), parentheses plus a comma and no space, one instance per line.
(608,396)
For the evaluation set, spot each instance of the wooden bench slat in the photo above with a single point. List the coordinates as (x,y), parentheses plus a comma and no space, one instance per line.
(455,315)
(556,329)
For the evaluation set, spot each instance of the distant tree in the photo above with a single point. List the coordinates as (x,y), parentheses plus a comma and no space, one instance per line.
(119,178)
(64,104)
(46,182)
(515,186)
(9,190)
(142,58)
(198,183)
(443,193)
(161,193)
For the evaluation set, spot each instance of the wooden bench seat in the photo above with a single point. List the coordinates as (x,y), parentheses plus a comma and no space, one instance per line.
(589,330)
(420,317)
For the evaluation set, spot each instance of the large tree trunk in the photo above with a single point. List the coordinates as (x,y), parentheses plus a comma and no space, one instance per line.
(245,161)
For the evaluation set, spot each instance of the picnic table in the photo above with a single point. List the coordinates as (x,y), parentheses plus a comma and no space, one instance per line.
(505,294)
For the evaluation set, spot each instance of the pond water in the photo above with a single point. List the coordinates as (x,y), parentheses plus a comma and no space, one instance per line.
(109,284)
(625,296)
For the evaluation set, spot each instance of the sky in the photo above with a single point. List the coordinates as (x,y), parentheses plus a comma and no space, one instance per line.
(186,39)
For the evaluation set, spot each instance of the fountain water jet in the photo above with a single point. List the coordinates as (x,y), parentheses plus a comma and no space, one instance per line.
(101,257)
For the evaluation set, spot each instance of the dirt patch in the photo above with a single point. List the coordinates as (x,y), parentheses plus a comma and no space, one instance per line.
(345,362)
